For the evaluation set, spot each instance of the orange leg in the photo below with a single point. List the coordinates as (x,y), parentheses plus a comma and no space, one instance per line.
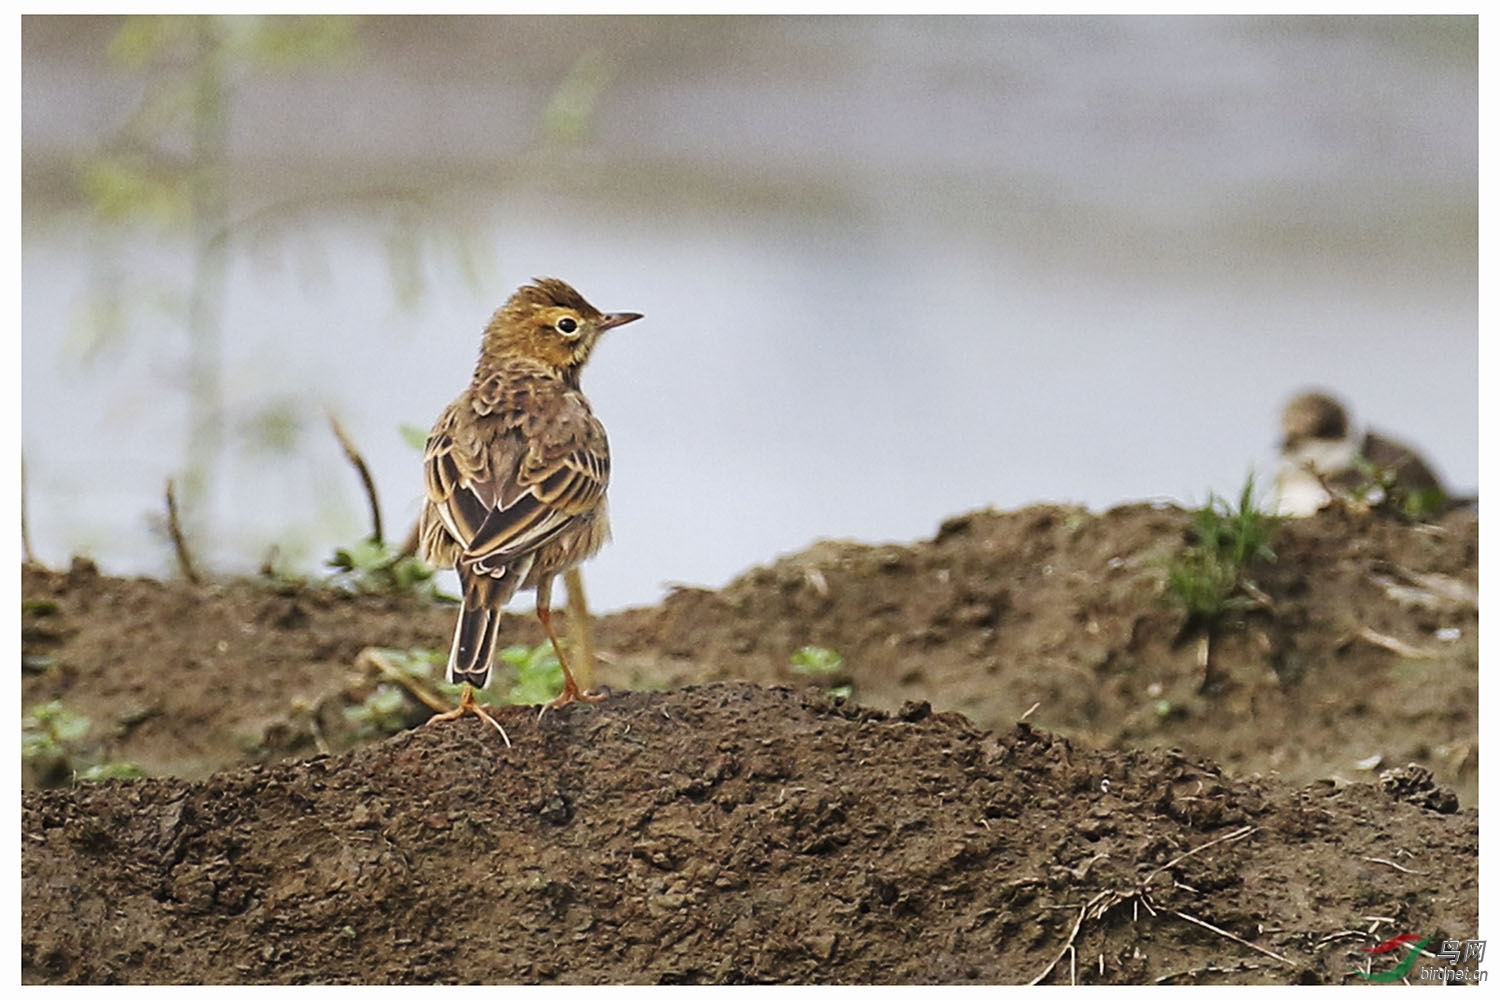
(467,704)
(570,692)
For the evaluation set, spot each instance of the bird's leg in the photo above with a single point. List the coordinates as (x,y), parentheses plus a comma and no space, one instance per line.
(466,704)
(571,691)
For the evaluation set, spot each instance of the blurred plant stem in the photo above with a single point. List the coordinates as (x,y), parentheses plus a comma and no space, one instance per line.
(209,198)
(28,558)
(580,629)
(166,179)
(166,173)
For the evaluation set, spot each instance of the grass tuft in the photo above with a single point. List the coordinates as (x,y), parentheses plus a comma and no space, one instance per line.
(1210,579)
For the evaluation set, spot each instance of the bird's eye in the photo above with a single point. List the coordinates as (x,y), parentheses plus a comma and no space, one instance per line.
(567,325)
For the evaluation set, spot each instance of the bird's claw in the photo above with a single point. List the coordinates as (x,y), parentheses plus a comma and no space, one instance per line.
(570,694)
(466,705)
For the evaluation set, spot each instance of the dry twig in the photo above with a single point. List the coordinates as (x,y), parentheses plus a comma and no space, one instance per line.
(371,656)
(375,657)
(1402,649)
(28,557)
(179,543)
(316,728)
(367,480)
(1383,861)
(1328,939)
(1429,590)
(1233,937)
(1083,912)
(1210,967)
(1232,835)
(1104,901)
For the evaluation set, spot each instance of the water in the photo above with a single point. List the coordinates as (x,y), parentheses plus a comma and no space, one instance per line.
(892,269)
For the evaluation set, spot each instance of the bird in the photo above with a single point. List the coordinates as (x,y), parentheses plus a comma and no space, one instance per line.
(515,473)
(1323,456)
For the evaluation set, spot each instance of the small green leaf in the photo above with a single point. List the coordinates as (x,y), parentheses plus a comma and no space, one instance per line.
(123,770)
(815,661)
(34,744)
(383,711)
(372,567)
(419,663)
(1423,505)
(59,723)
(539,676)
(414,436)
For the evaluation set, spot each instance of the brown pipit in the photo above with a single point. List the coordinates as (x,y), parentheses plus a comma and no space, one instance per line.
(516,471)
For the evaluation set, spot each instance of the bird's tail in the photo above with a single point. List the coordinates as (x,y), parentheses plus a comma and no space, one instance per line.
(473,645)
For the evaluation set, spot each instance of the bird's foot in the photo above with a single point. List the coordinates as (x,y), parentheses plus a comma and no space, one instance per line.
(571,693)
(466,705)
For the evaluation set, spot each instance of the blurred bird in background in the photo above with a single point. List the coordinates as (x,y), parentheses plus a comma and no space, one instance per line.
(1325,458)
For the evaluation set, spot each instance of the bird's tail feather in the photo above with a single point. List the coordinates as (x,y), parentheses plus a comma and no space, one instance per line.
(473,646)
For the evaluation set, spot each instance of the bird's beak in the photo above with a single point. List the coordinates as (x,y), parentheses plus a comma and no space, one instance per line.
(612,320)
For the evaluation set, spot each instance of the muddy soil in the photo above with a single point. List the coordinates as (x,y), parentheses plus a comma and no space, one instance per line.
(1258,805)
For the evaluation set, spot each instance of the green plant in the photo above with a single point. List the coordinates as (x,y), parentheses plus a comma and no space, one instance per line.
(121,769)
(52,744)
(538,674)
(538,677)
(1421,505)
(418,664)
(165,177)
(383,712)
(815,661)
(1209,579)
(370,567)
(49,728)
(818,662)
(1380,488)
(414,436)
(164,174)
(406,676)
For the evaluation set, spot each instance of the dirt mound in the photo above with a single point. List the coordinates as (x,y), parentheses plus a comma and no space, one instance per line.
(728,834)
(1365,657)
(739,833)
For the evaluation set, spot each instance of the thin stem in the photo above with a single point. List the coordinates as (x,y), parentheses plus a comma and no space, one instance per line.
(205,433)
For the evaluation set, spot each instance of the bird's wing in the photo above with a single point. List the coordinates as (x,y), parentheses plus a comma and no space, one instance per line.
(556,489)
(505,485)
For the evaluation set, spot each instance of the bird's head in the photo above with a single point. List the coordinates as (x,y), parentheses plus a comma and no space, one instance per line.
(1313,416)
(548,321)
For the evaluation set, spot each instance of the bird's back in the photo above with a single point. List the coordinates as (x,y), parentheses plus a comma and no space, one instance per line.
(519,435)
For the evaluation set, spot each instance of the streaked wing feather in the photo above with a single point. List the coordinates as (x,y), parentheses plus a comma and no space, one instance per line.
(504,493)
(459,486)
(537,515)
